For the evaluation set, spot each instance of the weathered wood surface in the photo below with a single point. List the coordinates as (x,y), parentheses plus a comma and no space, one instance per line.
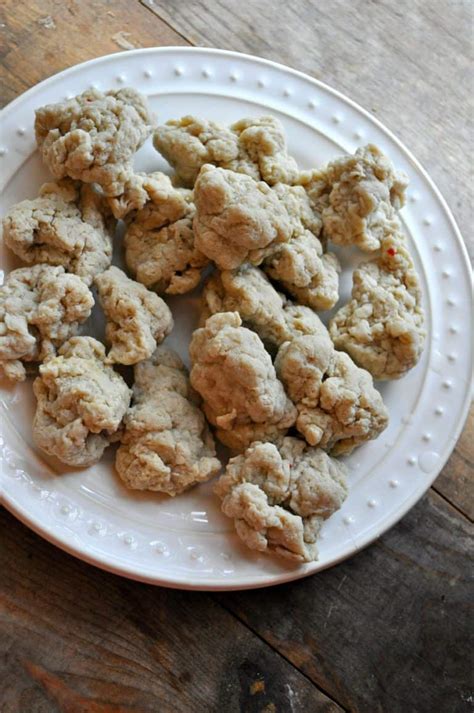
(389,631)
(38,39)
(77,639)
(456,480)
(386,631)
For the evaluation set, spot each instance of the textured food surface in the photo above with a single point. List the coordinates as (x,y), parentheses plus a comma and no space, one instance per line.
(382,326)
(364,191)
(235,376)
(41,307)
(80,403)
(280,497)
(166,444)
(137,319)
(308,274)
(301,265)
(236,217)
(64,226)
(338,405)
(94,136)
(160,249)
(255,147)
(149,188)
(249,292)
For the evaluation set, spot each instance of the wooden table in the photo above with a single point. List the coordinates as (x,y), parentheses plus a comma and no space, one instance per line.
(386,631)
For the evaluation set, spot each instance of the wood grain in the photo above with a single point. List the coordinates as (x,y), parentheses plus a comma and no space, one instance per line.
(456,480)
(408,62)
(75,639)
(41,38)
(389,631)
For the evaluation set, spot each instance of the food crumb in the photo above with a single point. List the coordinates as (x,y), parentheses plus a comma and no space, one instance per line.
(120,39)
(257,686)
(47,22)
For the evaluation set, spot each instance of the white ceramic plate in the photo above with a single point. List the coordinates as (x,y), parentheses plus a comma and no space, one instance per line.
(186,542)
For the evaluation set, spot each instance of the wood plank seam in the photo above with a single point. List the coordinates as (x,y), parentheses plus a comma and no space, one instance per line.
(156,14)
(320,688)
(450,502)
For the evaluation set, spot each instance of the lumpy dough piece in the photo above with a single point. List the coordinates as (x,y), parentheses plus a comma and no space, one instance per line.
(302,214)
(80,403)
(279,498)
(188,143)
(236,217)
(248,291)
(338,406)
(382,326)
(40,308)
(301,320)
(316,186)
(93,137)
(365,191)
(166,445)
(137,319)
(255,146)
(150,188)
(263,141)
(308,274)
(63,226)
(160,250)
(236,379)
(300,264)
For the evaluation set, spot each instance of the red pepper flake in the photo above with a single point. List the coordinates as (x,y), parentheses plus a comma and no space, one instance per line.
(392,251)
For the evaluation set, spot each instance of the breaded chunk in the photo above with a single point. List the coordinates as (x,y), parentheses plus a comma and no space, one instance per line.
(93,137)
(152,189)
(235,376)
(307,273)
(64,226)
(160,249)
(237,218)
(255,147)
(382,326)
(358,196)
(301,265)
(80,403)
(166,444)
(280,497)
(40,308)
(249,292)
(137,319)
(338,406)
